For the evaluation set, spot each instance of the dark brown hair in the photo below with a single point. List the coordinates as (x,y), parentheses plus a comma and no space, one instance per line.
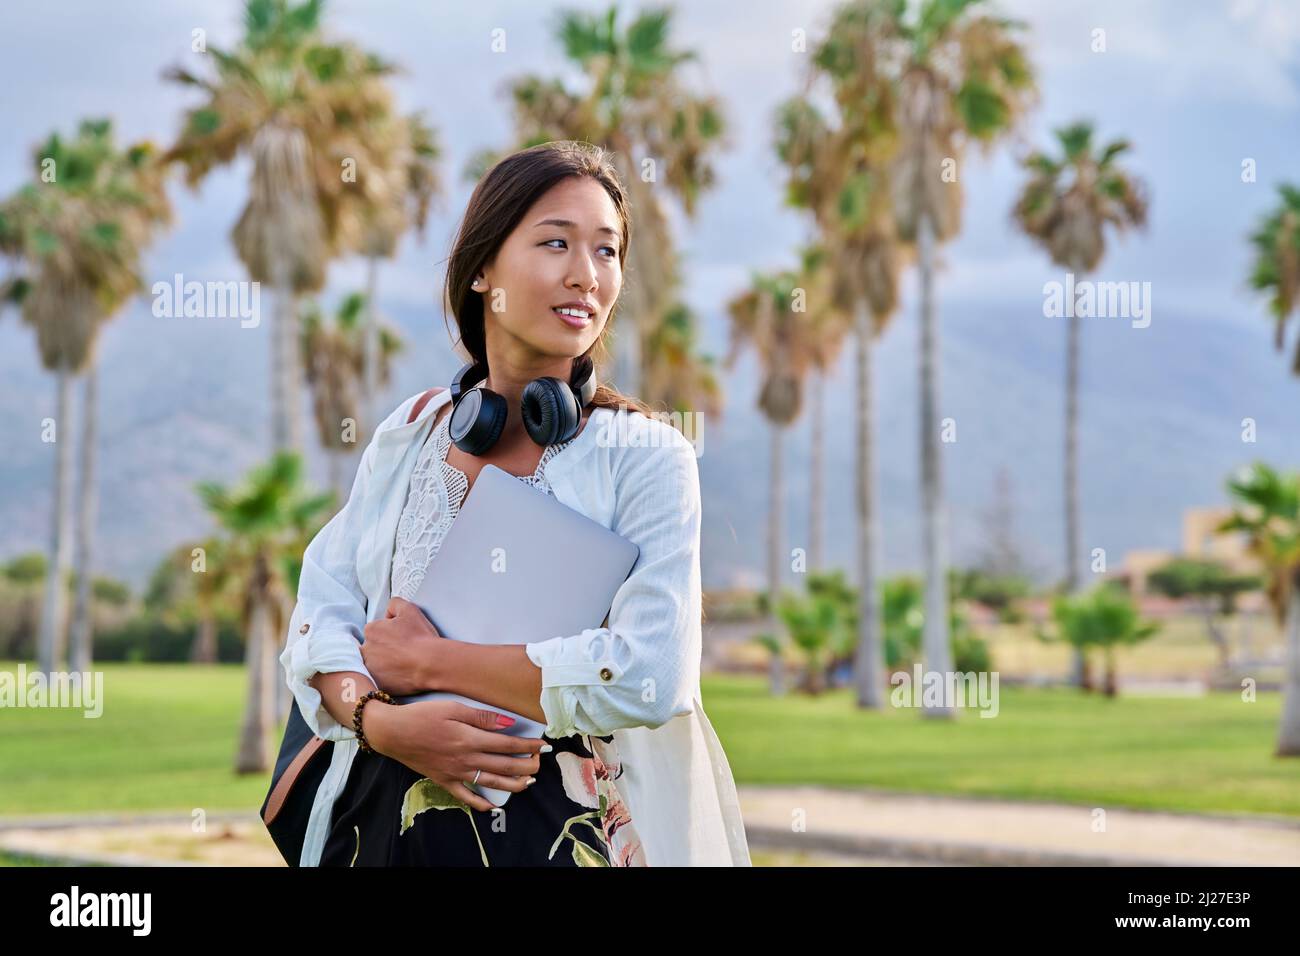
(499,202)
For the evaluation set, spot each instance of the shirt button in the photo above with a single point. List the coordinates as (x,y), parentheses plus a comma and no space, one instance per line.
(303,629)
(606,674)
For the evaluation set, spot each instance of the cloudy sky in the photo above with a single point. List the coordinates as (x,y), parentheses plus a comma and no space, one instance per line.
(1197,87)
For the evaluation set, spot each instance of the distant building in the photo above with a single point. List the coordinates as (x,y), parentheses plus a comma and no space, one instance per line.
(1201,541)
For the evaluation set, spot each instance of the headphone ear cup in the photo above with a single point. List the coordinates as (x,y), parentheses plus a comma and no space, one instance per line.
(550,410)
(477,421)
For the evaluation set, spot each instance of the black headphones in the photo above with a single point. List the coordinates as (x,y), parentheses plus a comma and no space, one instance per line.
(552,408)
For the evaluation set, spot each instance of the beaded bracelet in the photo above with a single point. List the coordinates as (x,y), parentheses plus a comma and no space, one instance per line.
(356,716)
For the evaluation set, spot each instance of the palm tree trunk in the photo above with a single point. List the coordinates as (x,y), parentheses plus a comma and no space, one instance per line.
(1217,637)
(1288,736)
(775,666)
(1085,675)
(279,637)
(627,355)
(1111,686)
(252,755)
(774,510)
(83,608)
(52,644)
(370,348)
(286,417)
(868,663)
(815,678)
(641,305)
(1073,576)
(334,461)
(934,513)
(204,650)
(816,494)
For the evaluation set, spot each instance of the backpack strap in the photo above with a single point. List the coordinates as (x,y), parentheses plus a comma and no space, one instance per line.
(420,403)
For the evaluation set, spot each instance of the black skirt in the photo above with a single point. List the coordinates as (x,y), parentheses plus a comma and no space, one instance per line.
(366,822)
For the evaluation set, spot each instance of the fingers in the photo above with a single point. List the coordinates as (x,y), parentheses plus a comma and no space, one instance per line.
(506,766)
(498,782)
(491,741)
(466,795)
(400,606)
(483,719)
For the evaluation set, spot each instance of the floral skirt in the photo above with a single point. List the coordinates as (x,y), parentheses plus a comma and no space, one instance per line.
(389,815)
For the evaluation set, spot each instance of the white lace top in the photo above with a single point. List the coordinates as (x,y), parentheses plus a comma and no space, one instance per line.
(433,498)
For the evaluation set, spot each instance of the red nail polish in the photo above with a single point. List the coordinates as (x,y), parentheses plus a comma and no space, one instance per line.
(504,721)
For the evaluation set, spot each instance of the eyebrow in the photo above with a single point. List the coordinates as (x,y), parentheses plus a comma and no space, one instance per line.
(570,224)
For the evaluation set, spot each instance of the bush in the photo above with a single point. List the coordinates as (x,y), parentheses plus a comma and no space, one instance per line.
(147,637)
(971,654)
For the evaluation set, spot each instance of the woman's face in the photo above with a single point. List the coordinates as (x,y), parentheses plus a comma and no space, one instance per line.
(564,250)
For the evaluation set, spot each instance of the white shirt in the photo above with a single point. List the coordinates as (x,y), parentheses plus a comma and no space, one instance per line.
(639,478)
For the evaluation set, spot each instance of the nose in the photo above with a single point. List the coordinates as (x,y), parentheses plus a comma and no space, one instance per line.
(582,275)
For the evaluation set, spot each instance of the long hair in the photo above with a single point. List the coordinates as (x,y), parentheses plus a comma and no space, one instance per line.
(499,202)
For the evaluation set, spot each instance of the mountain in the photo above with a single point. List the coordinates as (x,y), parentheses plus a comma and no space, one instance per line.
(183,400)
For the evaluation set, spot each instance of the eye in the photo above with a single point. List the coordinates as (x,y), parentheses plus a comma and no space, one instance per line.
(613,253)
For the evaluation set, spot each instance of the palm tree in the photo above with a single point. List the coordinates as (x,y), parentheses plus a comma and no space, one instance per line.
(334,354)
(1104,617)
(144,208)
(840,174)
(212,597)
(829,323)
(676,374)
(1213,586)
(1277,264)
(310,115)
(1268,512)
(181,593)
(940,75)
(411,183)
(764,318)
(266,519)
(813,623)
(1066,206)
(79,231)
(636,105)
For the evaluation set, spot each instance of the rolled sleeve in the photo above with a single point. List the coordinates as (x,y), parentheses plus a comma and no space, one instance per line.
(329,619)
(308,654)
(641,670)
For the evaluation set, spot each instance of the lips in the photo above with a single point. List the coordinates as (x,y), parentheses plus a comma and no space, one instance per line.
(573,321)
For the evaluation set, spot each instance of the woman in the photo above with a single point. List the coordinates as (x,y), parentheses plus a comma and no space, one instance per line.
(629,770)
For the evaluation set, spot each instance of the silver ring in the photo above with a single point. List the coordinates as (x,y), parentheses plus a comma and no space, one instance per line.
(476,776)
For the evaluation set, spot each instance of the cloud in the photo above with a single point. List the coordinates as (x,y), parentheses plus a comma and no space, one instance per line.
(1243,51)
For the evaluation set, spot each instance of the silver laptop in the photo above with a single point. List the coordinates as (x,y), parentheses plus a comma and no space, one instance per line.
(518,566)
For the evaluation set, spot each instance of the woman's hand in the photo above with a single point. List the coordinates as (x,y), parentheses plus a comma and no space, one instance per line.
(449,742)
(400,648)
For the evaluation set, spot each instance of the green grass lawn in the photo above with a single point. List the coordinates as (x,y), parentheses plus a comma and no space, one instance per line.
(1210,753)
(167,737)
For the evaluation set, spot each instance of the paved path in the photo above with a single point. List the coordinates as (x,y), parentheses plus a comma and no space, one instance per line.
(983,832)
(840,827)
